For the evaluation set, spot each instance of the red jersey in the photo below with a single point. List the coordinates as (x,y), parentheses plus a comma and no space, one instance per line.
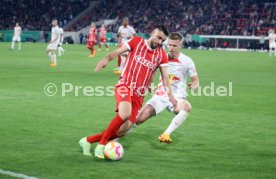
(141,64)
(103,33)
(92,34)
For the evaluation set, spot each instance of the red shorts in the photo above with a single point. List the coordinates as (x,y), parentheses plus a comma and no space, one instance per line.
(90,43)
(123,93)
(102,40)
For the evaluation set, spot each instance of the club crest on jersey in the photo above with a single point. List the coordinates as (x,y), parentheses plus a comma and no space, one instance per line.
(145,62)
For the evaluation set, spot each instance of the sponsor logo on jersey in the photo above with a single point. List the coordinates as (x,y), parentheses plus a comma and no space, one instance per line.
(145,62)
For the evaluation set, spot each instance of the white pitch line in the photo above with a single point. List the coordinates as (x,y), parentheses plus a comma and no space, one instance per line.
(18,175)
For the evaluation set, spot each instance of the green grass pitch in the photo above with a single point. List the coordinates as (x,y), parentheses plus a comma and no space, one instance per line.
(224,137)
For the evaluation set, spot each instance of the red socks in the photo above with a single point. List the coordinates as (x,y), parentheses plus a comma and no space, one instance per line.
(111,130)
(95,138)
(119,61)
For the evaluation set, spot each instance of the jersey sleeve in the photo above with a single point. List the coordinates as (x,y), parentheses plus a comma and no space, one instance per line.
(192,69)
(132,31)
(132,43)
(164,59)
(120,29)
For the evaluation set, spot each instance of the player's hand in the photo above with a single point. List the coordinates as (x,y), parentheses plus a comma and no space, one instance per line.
(101,64)
(172,100)
(193,86)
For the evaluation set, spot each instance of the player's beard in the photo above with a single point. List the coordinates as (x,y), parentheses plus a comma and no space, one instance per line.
(154,45)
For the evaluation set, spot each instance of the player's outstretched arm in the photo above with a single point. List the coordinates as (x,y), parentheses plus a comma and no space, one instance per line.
(103,63)
(166,82)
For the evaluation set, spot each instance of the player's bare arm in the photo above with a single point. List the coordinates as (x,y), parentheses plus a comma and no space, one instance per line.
(103,63)
(167,85)
(195,83)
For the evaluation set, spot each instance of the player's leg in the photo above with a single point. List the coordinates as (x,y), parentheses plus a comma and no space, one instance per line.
(106,46)
(86,142)
(123,59)
(90,48)
(100,44)
(93,50)
(152,108)
(270,50)
(182,111)
(53,58)
(122,63)
(146,112)
(13,41)
(19,43)
(60,50)
(124,106)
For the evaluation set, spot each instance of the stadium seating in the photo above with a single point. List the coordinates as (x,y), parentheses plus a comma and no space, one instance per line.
(37,15)
(190,16)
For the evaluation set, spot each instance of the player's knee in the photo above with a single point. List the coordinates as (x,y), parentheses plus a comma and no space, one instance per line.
(124,115)
(188,107)
(147,112)
(185,106)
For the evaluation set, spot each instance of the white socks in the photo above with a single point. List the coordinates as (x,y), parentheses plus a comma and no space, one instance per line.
(12,46)
(60,51)
(13,43)
(53,58)
(177,121)
(123,59)
(270,52)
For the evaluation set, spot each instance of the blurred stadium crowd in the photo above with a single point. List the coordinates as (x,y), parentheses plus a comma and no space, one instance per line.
(212,17)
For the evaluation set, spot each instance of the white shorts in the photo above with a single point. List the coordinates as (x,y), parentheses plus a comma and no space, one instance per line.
(52,46)
(160,103)
(16,39)
(272,45)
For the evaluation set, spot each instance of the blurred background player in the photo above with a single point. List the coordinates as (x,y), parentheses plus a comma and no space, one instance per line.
(61,38)
(125,33)
(103,38)
(16,36)
(91,40)
(272,42)
(52,46)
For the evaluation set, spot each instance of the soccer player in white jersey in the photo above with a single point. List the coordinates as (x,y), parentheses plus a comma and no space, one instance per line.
(272,42)
(180,68)
(125,33)
(52,46)
(61,38)
(16,36)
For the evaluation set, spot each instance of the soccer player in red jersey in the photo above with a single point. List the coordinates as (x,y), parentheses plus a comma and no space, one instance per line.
(91,39)
(144,57)
(103,38)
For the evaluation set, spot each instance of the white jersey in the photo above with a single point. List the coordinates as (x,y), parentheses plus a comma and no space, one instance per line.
(126,32)
(17,31)
(55,34)
(61,37)
(179,70)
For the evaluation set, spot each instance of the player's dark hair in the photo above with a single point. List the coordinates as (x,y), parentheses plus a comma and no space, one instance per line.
(176,36)
(163,29)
